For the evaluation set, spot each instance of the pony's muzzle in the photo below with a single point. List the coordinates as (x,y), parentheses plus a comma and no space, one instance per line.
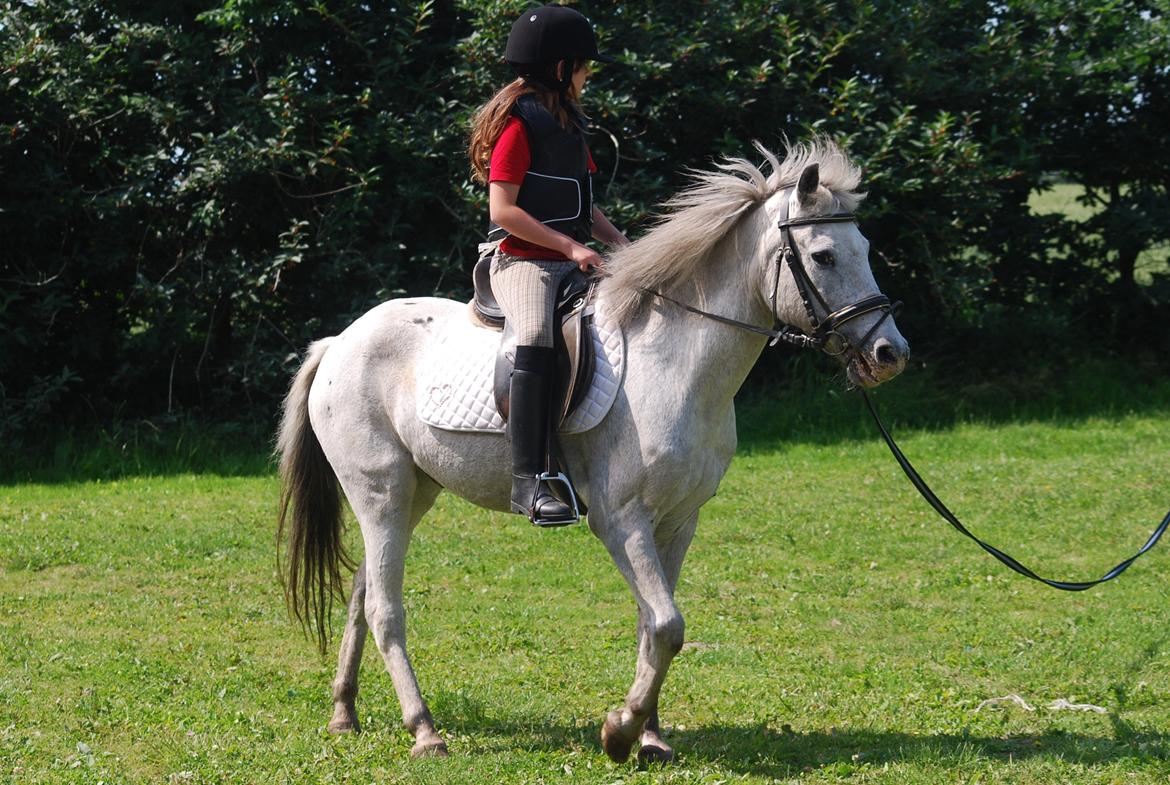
(888,358)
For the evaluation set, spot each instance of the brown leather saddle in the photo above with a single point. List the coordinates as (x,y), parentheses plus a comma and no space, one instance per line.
(573,342)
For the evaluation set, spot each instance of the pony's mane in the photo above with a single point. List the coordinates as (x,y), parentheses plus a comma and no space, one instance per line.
(700,216)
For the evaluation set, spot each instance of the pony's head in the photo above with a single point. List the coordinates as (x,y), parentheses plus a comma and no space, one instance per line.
(739,204)
(821,276)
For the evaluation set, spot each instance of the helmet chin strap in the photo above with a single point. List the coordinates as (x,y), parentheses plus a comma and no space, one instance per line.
(545,74)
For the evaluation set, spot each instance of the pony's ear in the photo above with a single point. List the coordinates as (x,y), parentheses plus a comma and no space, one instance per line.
(810,178)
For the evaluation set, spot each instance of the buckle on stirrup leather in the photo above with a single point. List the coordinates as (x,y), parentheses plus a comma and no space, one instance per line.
(569,493)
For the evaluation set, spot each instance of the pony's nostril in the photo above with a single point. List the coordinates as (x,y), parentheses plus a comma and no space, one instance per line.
(886,355)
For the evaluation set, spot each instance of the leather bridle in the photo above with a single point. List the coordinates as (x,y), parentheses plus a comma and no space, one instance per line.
(826,332)
(826,335)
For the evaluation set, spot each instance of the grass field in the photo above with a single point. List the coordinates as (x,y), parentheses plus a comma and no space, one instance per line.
(836,630)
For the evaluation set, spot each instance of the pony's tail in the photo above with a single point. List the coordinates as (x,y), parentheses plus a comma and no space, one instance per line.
(310,511)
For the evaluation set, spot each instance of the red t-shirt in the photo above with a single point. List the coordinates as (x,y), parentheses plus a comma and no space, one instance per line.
(511,160)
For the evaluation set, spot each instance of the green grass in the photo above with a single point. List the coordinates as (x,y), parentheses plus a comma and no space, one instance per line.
(837,631)
(1061,198)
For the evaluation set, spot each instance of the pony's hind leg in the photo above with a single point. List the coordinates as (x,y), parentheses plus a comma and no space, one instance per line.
(345,684)
(389,496)
(386,542)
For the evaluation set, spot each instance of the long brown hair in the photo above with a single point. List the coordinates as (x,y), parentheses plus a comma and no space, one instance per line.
(488,121)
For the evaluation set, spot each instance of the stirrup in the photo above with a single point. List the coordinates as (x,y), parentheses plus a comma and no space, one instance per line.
(550,523)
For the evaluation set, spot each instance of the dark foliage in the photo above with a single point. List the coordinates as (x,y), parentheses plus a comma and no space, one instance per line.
(191,192)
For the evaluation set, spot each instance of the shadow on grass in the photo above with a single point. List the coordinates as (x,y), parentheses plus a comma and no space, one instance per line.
(762,751)
(800,400)
(161,446)
(811,405)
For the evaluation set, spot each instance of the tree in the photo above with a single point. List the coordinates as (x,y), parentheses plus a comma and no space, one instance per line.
(193,192)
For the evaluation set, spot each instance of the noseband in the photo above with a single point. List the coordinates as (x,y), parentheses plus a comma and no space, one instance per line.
(826,335)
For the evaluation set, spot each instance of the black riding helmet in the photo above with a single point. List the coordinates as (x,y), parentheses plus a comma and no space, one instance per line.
(544,37)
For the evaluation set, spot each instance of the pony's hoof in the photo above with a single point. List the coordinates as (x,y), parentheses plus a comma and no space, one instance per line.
(655,753)
(344,720)
(429,748)
(341,727)
(616,746)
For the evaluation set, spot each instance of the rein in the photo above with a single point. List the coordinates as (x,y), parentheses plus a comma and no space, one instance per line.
(949,517)
(826,337)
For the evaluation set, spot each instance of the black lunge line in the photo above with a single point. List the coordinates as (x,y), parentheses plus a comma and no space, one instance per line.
(950,518)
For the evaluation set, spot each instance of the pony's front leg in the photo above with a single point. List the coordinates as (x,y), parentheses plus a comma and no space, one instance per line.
(634,552)
(653,748)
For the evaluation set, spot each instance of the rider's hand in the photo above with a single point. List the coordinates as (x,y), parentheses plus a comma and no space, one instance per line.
(585,257)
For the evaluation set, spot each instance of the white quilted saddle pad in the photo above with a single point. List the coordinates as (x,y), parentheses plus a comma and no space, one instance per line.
(455,379)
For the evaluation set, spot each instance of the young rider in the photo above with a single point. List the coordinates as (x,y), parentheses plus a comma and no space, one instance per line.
(528,145)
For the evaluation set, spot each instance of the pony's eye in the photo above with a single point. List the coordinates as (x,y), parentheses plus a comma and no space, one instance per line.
(824,258)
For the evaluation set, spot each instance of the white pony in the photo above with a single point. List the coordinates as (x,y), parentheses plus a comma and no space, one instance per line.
(645,471)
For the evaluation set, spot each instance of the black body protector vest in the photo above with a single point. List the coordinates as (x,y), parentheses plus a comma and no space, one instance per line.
(557,189)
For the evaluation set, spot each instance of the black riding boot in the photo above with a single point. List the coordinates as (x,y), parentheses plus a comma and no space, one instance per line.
(528,424)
